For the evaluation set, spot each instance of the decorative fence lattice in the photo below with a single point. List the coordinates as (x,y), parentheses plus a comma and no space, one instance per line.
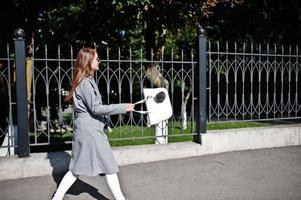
(254,82)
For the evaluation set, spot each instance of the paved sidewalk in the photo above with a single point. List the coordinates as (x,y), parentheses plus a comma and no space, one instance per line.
(266,174)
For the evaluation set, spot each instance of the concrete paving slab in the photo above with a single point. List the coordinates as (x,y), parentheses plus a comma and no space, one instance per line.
(265,174)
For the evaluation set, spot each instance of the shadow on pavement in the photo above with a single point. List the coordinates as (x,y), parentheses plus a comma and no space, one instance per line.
(59,162)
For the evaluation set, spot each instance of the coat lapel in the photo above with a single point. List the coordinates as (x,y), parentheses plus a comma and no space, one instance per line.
(95,87)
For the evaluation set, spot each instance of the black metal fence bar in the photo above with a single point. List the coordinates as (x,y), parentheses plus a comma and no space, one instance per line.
(21,95)
(202,85)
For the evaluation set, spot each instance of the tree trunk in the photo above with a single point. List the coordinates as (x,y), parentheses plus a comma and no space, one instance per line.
(155,51)
(184,109)
(157,80)
(161,132)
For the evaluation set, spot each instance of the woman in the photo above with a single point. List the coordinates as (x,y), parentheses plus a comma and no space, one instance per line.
(91,151)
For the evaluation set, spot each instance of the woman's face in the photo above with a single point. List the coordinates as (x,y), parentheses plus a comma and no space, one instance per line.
(95,62)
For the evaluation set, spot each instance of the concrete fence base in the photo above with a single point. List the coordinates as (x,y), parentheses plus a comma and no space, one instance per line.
(39,164)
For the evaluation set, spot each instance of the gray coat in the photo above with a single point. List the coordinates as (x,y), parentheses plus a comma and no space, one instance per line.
(91,151)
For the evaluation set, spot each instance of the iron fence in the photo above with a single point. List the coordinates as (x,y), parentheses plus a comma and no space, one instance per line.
(6,114)
(244,83)
(253,82)
(120,80)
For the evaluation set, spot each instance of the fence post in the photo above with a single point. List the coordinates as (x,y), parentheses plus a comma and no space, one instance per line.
(201,110)
(21,100)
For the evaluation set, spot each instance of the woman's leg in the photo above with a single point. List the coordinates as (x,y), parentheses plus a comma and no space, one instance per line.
(113,182)
(65,184)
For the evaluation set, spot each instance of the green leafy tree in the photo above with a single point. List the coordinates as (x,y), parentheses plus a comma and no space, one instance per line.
(273,21)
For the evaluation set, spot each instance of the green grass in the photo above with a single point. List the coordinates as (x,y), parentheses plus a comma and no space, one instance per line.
(175,134)
(230,125)
(133,135)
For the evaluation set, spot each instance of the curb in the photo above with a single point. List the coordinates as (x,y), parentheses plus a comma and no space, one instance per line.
(40,164)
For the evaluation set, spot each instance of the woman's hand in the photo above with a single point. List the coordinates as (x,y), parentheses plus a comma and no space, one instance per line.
(130,107)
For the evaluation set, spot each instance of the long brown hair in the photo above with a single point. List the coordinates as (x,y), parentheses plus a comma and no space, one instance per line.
(82,69)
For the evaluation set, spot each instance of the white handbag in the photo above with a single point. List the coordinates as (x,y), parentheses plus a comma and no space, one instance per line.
(157,103)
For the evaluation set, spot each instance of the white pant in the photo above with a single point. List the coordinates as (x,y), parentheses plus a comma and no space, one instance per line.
(69,179)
